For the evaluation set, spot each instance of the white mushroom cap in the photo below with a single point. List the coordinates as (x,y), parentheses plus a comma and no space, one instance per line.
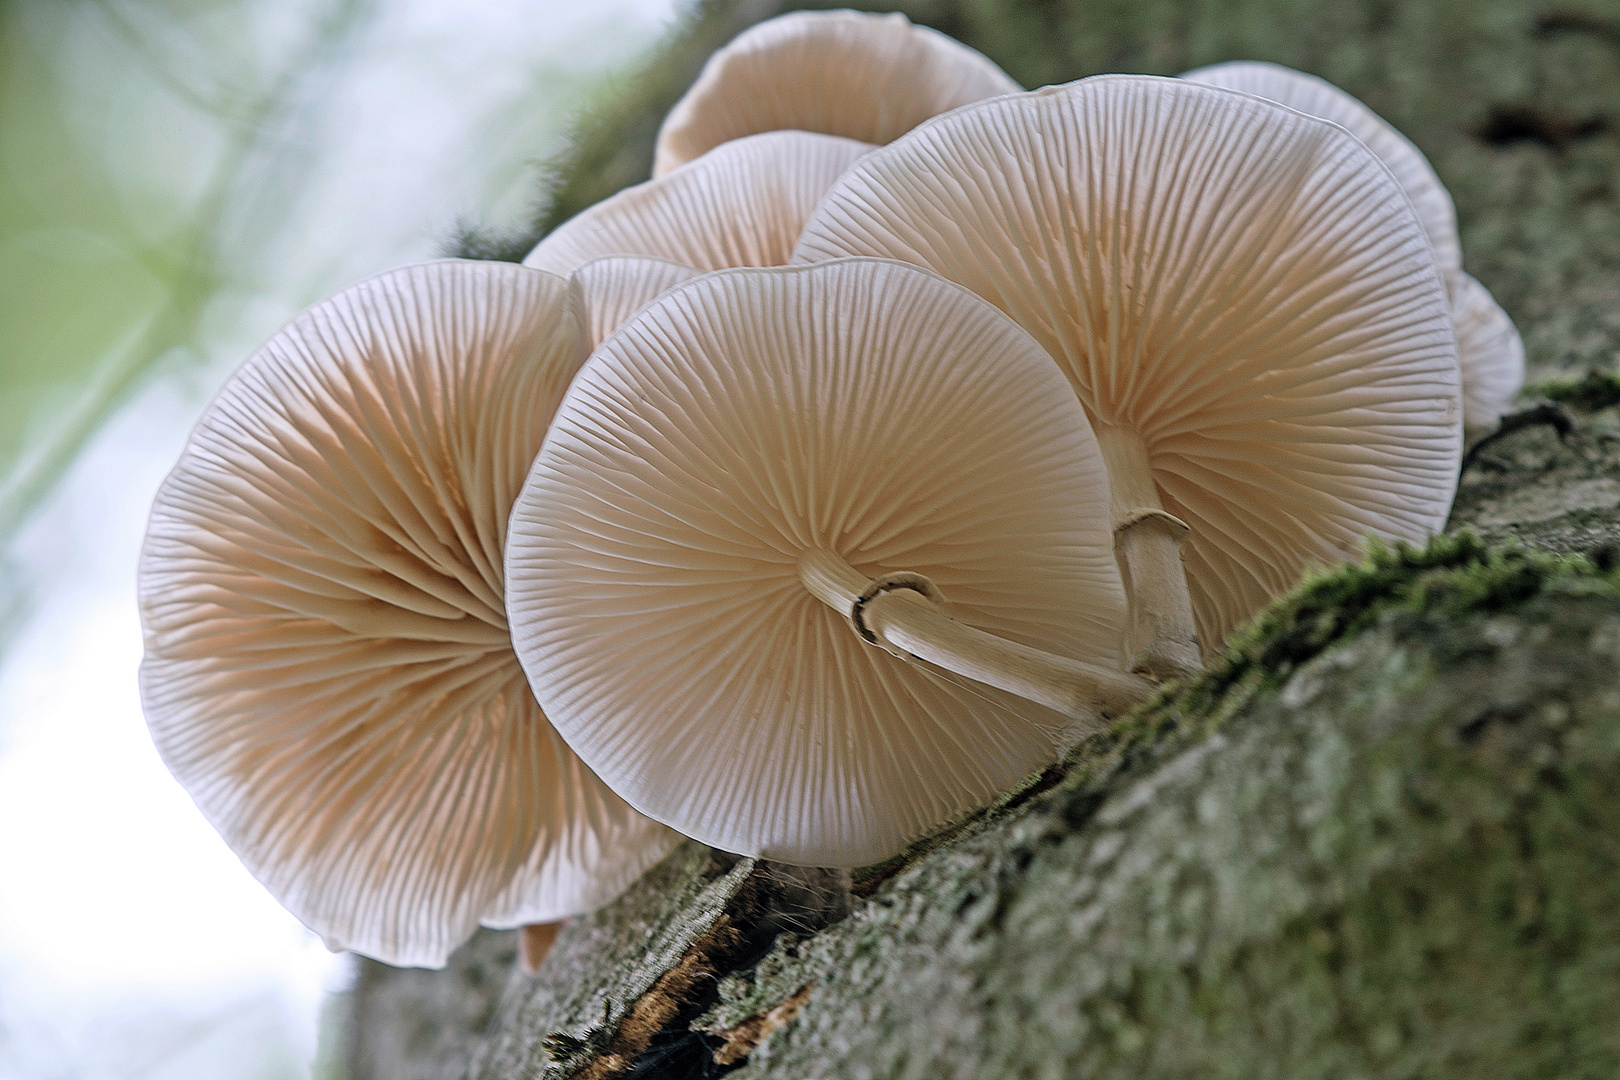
(611,289)
(1243,287)
(741,205)
(749,417)
(1488,346)
(328,670)
(867,77)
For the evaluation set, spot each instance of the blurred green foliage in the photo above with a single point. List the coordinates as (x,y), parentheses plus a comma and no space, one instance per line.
(126,135)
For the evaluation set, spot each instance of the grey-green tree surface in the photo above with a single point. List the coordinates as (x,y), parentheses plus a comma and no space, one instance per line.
(1380,838)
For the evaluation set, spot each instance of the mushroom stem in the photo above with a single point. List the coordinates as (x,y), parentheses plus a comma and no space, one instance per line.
(534,942)
(900,614)
(1161,640)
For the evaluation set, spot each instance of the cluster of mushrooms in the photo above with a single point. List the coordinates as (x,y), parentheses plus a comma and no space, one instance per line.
(802,498)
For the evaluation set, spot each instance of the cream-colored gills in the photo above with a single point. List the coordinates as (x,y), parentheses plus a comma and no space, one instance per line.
(741,421)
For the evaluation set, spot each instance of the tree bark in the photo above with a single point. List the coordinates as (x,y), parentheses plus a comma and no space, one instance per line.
(1381,839)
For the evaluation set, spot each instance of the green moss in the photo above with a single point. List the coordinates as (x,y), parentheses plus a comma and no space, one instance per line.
(1452,576)
(1422,589)
(1593,391)
(1395,861)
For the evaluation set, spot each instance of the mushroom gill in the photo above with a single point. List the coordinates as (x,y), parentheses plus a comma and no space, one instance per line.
(1488,346)
(742,204)
(754,446)
(1241,296)
(611,289)
(328,670)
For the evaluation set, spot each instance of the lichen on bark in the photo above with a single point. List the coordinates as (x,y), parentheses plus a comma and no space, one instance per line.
(1401,860)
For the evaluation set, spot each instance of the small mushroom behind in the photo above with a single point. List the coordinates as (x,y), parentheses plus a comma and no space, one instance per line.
(741,205)
(745,458)
(1490,349)
(863,76)
(611,289)
(1242,298)
(328,670)
(1317,97)
(1488,345)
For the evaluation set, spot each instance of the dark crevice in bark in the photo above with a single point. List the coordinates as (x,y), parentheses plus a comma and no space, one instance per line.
(655,1038)
(1510,124)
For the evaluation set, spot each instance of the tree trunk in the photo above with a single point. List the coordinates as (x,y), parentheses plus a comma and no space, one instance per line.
(1380,839)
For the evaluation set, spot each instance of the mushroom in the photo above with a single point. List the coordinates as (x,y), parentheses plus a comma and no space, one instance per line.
(534,943)
(741,205)
(1241,296)
(328,670)
(1489,349)
(1488,346)
(867,77)
(761,464)
(611,289)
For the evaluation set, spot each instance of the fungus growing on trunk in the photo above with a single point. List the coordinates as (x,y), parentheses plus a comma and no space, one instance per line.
(743,204)
(863,76)
(1241,296)
(1488,346)
(328,670)
(760,459)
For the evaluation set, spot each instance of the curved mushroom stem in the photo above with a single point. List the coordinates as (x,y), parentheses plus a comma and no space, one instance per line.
(1161,640)
(900,614)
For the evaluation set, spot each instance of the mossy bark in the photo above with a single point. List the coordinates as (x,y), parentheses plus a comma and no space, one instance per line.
(1400,863)
(1381,839)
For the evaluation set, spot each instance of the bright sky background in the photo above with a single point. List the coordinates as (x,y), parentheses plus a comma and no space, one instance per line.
(132,942)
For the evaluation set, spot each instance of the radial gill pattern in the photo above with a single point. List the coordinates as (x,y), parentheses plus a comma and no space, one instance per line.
(743,204)
(1318,97)
(328,669)
(1243,286)
(1488,346)
(741,420)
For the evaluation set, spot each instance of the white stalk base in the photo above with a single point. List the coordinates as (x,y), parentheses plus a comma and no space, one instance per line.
(1159,636)
(899,613)
(1161,640)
